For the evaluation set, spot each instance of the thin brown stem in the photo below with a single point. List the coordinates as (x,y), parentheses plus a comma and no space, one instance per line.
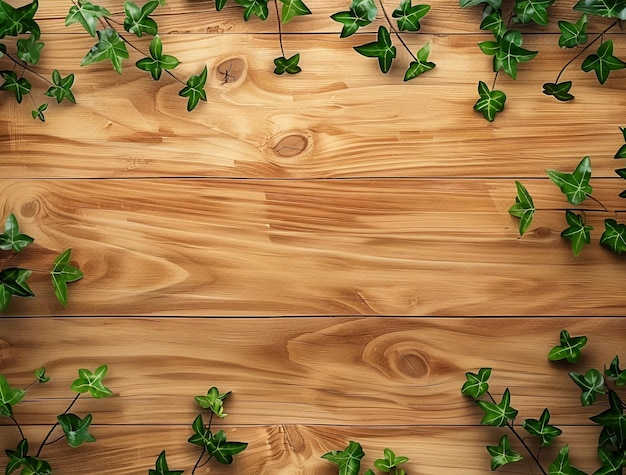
(395,31)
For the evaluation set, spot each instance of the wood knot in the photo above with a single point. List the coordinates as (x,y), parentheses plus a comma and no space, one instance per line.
(542,232)
(401,360)
(291,146)
(30,209)
(231,71)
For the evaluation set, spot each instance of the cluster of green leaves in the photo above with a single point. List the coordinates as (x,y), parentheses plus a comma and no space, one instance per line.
(75,429)
(214,445)
(13,280)
(407,16)
(348,460)
(25,52)
(577,188)
(593,383)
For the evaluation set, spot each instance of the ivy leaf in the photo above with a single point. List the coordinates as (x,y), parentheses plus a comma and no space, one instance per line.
(213,401)
(138,19)
(15,21)
(524,208)
(194,90)
(157,61)
(62,88)
(348,460)
(569,348)
(603,62)
(254,7)
(573,34)
(611,463)
(591,384)
(287,65)
(490,102)
(382,49)
(560,90)
(614,236)
(63,272)
(92,382)
(222,450)
(390,461)
(161,467)
(575,186)
(76,429)
(87,14)
(420,66)
(293,8)
(361,13)
(202,435)
(20,87)
(621,153)
(12,239)
(495,4)
(533,10)
(476,384)
(542,428)
(220,4)
(510,53)
(13,282)
(109,46)
(502,454)
(495,23)
(17,458)
(35,466)
(39,112)
(409,16)
(40,374)
(577,232)
(9,397)
(614,371)
(497,415)
(29,49)
(603,8)
(561,465)
(613,418)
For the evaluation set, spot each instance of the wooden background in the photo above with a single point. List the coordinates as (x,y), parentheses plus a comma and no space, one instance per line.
(334,247)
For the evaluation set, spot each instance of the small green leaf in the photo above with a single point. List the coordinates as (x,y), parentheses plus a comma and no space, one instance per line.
(161,467)
(614,236)
(603,62)
(19,86)
(293,8)
(76,429)
(29,49)
(476,384)
(408,16)
(421,65)
(223,450)
(9,397)
(497,415)
(213,401)
(489,102)
(527,11)
(577,232)
(39,112)
(287,65)
(14,280)
(591,384)
(575,186)
(613,419)
(202,435)
(40,374)
(561,465)
(194,90)
(495,4)
(87,14)
(390,461)
(348,460)
(258,8)
(17,458)
(109,46)
(157,61)
(138,19)
(524,208)
(12,239)
(35,466)
(62,88)
(382,49)
(92,382)
(560,91)
(573,34)
(569,349)
(62,273)
(510,53)
(542,428)
(495,23)
(603,8)
(502,454)
(612,463)
(361,13)
(616,373)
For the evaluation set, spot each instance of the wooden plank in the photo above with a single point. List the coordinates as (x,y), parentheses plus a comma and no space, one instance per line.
(335,119)
(321,247)
(378,372)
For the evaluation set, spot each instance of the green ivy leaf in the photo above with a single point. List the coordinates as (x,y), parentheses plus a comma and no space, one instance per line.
(35,466)
(408,16)
(361,13)
(16,21)
(13,282)
(17,458)
(621,153)
(109,46)
(157,61)
(613,418)
(495,23)
(29,49)
(421,65)
(502,454)
(603,8)
(497,415)
(561,465)
(138,19)
(293,8)
(194,90)
(39,112)
(573,34)
(476,384)
(213,401)
(575,186)
(87,14)
(62,273)
(591,384)
(220,4)
(223,450)
(611,463)
(542,428)
(287,65)
(390,461)
(603,62)
(161,467)
(560,91)
(382,49)
(569,349)
(12,239)
(577,232)
(614,236)
(348,460)
(62,88)
(92,382)
(615,372)
(510,52)
(202,435)
(9,397)
(536,11)
(495,4)
(254,7)
(19,86)
(76,429)
(524,208)
(489,102)
(40,374)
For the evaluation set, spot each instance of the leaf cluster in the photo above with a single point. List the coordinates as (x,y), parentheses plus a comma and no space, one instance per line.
(348,461)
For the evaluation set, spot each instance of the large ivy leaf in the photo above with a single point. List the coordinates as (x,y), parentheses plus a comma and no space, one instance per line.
(213,401)
(524,208)
(223,450)
(19,86)
(361,13)
(510,52)
(258,8)
(287,65)
(109,46)
(573,34)
(612,463)
(575,186)
(614,236)
(194,90)
(35,466)
(201,434)
(489,102)
(591,384)
(17,457)
(16,21)
(408,16)
(561,465)
(76,429)
(348,460)
(87,14)
(559,91)
(476,384)
(420,65)
(161,468)
(494,22)
(603,8)
(613,418)
(12,239)
(220,4)
(29,49)
(92,382)
(62,87)
(138,19)
(542,428)
(502,454)
(157,62)
(569,349)
(9,397)
(603,62)
(615,372)
(578,232)
(536,11)
(382,49)
(62,273)
(497,415)
(293,8)
(13,282)
(495,4)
